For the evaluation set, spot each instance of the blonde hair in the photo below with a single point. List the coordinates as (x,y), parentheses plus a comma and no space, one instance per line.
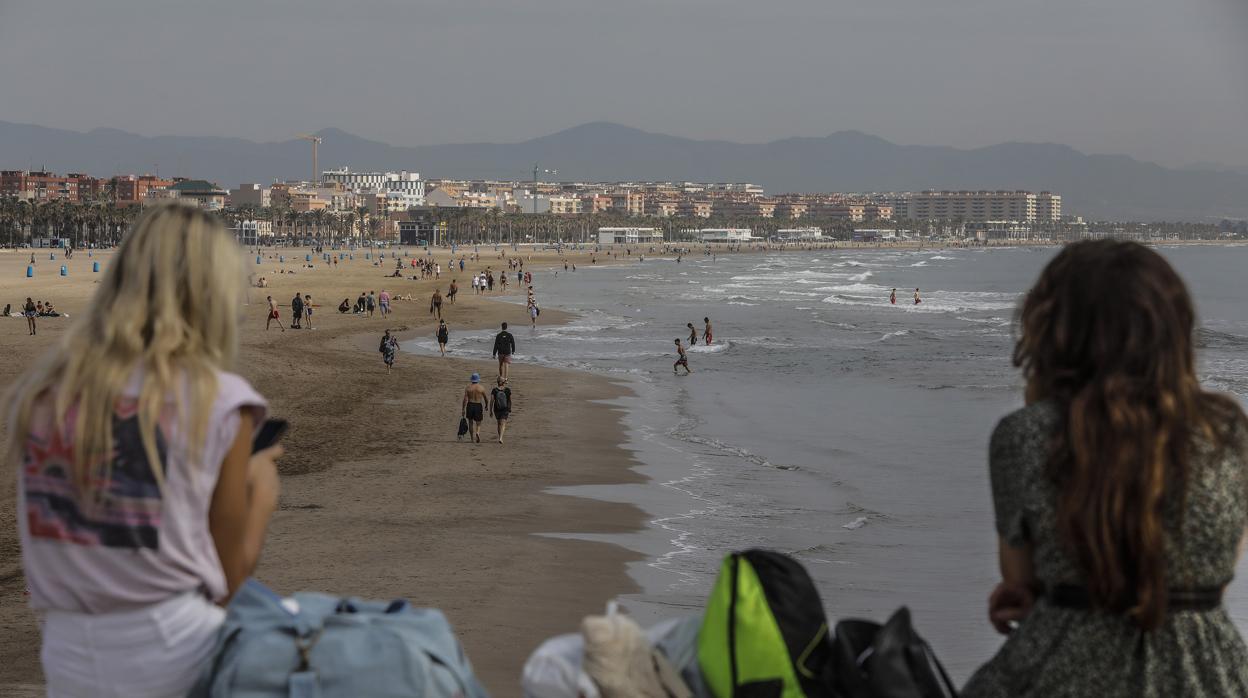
(167,304)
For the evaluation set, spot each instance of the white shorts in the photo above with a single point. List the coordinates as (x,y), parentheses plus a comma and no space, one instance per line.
(157,650)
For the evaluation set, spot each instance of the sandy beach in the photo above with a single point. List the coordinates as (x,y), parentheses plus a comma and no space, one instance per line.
(379,499)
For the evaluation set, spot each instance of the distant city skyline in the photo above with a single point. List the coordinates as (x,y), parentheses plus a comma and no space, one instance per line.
(1153,79)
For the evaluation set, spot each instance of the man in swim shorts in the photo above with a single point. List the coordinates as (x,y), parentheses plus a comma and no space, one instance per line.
(682,359)
(706,334)
(273,315)
(474,406)
(504,347)
(693,334)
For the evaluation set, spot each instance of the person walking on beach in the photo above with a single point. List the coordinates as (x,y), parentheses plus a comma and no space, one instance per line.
(371,301)
(141,508)
(892,297)
(307,310)
(383,302)
(706,333)
(389,350)
(500,406)
(296,312)
(504,347)
(30,310)
(435,303)
(917,300)
(444,336)
(273,315)
(474,406)
(1118,491)
(682,359)
(450,292)
(693,334)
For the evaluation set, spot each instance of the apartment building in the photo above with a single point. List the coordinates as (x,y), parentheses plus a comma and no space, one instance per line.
(40,186)
(407,182)
(249,194)
(132,190)
(1001,205)
(564,204)
(630,203)
(1048,207)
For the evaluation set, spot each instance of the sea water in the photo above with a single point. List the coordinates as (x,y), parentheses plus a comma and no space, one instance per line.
(824,421)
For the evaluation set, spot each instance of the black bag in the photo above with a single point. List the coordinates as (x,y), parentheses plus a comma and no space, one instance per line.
(887,661)
(463,426)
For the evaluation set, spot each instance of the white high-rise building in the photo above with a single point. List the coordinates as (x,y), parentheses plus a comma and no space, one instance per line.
(406,182)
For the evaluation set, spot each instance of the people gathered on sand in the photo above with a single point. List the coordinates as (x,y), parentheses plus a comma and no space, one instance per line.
(141,507)
(1119,493)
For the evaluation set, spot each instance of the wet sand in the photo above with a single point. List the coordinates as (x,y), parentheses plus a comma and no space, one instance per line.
(379,499)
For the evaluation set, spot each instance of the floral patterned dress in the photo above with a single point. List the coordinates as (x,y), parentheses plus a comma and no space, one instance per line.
(1073,652)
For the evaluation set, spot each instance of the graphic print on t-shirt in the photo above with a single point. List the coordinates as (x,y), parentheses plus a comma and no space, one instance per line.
(125,510)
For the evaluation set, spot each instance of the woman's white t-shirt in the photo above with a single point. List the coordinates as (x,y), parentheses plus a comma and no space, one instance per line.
(134,543)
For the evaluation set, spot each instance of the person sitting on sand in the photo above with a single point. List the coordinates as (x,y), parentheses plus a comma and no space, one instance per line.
(345,306)
(129,558)
(8,310)
(49,311)
(1118,491)
(474,406)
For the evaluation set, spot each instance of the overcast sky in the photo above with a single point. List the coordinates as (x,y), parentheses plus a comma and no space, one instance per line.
(1164,80)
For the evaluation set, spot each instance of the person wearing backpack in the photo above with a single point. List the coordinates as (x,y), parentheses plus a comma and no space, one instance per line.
(141,508)
(500,405)
(504,347)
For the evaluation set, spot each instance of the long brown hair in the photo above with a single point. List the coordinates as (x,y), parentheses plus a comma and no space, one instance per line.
(1106,334)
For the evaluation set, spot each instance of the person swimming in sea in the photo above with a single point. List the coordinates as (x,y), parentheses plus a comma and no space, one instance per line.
(693,334)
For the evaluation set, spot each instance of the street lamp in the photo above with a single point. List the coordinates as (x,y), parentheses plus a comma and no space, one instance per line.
(534,193)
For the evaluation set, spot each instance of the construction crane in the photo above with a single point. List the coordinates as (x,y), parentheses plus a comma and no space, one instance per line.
(316,140)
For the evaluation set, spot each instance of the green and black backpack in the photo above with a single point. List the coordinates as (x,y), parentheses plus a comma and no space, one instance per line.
(765,634)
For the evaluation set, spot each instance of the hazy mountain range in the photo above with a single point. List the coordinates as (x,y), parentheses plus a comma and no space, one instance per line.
(1094,186)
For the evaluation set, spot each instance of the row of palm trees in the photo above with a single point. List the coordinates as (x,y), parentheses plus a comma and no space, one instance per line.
(102,223)
(97,223)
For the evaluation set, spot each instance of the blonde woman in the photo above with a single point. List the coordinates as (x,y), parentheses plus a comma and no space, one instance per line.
(141,508)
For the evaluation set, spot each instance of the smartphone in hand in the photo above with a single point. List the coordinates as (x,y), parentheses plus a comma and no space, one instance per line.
(270,433)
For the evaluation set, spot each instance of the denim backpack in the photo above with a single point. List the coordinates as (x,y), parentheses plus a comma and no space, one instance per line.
(334,648)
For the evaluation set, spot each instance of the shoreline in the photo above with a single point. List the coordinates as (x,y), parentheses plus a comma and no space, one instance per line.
(379,500)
